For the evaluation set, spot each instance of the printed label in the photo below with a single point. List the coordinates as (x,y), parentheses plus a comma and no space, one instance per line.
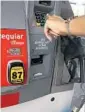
(17,75)
(13,47)
(42,44)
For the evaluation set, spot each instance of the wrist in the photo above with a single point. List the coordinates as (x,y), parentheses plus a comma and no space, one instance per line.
(67,27)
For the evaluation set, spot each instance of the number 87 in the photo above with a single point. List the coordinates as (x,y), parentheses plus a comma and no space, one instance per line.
(15,74)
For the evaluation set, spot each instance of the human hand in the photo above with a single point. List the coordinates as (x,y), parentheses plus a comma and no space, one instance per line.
(55,26)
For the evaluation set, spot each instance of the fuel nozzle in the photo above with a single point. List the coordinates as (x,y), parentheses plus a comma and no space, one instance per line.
(79,104)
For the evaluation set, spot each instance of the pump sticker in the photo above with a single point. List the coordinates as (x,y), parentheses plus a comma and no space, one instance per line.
(41,44)
(13,47)
(17,75)
(14,51)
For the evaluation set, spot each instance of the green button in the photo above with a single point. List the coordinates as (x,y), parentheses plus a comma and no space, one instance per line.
(42,24)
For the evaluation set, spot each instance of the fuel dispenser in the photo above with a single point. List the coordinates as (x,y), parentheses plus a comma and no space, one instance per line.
(15,55)
(18,31)
(42,51)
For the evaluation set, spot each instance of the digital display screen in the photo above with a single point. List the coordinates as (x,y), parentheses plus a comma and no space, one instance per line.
(47,3)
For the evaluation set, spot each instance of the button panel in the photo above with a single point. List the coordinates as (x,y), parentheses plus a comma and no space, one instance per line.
(40,18)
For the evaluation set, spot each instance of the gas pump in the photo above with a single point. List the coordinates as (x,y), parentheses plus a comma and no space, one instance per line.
(14,55)
(15,26)
(18,31)
(42,51)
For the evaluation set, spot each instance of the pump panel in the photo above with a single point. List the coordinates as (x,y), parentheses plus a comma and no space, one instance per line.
(14,52)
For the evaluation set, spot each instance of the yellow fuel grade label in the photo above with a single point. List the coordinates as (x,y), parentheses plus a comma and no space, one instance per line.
(17,75)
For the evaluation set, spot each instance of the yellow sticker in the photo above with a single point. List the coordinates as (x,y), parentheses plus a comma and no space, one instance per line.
(17,75)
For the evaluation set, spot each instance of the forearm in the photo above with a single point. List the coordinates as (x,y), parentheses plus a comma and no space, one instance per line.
(77,26)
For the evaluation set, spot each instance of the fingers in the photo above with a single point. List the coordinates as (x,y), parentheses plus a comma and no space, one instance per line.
(50,30)
(49,33)
(55,35)
(46,31)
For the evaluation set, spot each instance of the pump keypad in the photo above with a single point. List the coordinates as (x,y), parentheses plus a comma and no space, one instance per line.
(40,18)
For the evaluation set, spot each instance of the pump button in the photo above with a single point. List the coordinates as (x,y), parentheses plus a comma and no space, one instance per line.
(42,24)
(16,73)
(40,18)
(37,17)
(38,21)
(38,24)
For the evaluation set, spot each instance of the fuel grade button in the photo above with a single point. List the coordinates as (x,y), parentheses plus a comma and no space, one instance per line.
(16,74)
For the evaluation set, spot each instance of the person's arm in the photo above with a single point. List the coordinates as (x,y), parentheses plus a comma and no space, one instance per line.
(77,26)
(56,26)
